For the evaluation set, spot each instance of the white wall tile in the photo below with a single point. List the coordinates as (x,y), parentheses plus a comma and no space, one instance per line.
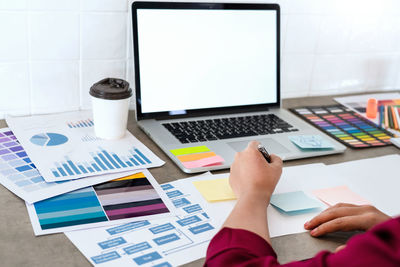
(55,86)
(296,74)
(339,73)
(54,5)
(130,77)
(364,35)
(302,33)
(333,35)
(382,71)
(15,91)
(305,6)
(13,4)
(94,71)
(103,36)
(104,5)
(54,36)
(14,41)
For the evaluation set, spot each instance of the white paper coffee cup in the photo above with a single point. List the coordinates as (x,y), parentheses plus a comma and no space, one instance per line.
(110,104)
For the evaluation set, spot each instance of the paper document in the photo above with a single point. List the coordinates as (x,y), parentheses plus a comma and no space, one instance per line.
(163,242)
(19,175)
(64,146)
(131,198)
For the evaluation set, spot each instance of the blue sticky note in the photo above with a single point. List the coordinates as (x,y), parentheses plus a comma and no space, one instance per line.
(294,202)
(310,142)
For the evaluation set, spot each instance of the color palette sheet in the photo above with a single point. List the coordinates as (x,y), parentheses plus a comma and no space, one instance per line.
(19,175)
(63,152)
(345,125)
(127,199)
(197,157)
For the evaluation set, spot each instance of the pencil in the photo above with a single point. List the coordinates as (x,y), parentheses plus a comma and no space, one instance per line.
(395,123)
(396,112)
(386,118)
(389,111)
(380,116)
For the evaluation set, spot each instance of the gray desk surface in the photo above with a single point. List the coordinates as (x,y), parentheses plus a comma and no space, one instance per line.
(19,246)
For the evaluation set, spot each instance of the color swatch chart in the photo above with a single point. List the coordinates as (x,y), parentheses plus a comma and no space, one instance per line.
(345,125)
(103,160)
(128,197)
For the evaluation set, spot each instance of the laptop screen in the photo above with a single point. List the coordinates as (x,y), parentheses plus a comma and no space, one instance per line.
(201,59)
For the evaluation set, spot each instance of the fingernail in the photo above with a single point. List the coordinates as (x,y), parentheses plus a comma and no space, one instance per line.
(314,231)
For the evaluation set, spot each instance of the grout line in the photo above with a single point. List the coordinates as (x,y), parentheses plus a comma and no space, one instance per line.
(29,30)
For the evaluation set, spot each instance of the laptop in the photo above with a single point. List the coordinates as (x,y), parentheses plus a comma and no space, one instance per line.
(207,79)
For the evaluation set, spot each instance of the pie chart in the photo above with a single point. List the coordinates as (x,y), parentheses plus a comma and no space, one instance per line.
(49,139)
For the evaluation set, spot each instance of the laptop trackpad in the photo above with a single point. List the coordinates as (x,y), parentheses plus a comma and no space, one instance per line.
(271,145)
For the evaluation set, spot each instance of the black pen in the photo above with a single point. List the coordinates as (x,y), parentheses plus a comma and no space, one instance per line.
(265,153)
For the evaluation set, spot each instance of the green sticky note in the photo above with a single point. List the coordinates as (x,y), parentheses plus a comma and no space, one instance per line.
(189,150)
(294,201)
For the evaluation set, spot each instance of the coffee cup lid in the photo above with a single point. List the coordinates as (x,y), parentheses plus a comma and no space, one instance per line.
(111,89)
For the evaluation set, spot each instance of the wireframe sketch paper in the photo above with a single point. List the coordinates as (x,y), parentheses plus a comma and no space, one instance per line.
(163,242)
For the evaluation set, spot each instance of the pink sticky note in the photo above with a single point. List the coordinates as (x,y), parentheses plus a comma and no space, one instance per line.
(339,194)
(215,160)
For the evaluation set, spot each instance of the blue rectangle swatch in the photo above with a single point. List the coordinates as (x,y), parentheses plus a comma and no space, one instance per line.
(112,243)
(175,193)
(201,228)
(147,258)
(127,227)
(192,208)
(166,239)
(181,202)
(161,228)
(106,257)
(166,186)
(137,248)
(188,220)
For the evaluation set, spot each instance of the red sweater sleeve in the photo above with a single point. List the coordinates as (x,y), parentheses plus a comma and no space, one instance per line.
(379,246)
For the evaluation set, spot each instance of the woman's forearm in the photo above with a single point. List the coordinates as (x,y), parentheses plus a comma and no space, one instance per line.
(250,213)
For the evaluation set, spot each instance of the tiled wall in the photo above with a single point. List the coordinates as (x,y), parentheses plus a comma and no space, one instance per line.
(52,51)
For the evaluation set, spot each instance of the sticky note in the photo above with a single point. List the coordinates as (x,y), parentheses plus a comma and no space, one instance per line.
(192,157)
(310,142)
(294,201)
(339,194)
(211,161)
(215,190)
(189,150)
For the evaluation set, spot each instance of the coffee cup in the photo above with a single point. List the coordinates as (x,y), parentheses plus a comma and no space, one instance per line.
(110,104)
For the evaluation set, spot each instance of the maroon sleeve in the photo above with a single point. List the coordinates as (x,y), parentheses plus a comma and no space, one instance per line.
(378,247)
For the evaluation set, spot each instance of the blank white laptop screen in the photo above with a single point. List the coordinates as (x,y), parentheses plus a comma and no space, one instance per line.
(195,59)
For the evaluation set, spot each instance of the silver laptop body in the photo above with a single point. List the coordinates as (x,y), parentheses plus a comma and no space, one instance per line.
(198,64)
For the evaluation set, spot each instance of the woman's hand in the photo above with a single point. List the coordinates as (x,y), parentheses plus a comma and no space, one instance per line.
(252,176)
(345,217)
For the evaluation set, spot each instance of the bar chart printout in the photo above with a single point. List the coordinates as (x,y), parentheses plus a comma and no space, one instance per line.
(64,146)
(101,160)
(19,175)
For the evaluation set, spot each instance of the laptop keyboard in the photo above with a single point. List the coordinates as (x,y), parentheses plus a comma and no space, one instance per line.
(234,127)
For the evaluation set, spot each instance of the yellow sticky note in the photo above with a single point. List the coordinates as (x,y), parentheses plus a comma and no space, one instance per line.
(215,190)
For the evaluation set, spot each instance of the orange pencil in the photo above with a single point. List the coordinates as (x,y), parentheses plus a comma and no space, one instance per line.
(395,122)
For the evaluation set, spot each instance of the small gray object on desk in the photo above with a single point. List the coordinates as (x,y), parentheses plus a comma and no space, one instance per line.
(19,246)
